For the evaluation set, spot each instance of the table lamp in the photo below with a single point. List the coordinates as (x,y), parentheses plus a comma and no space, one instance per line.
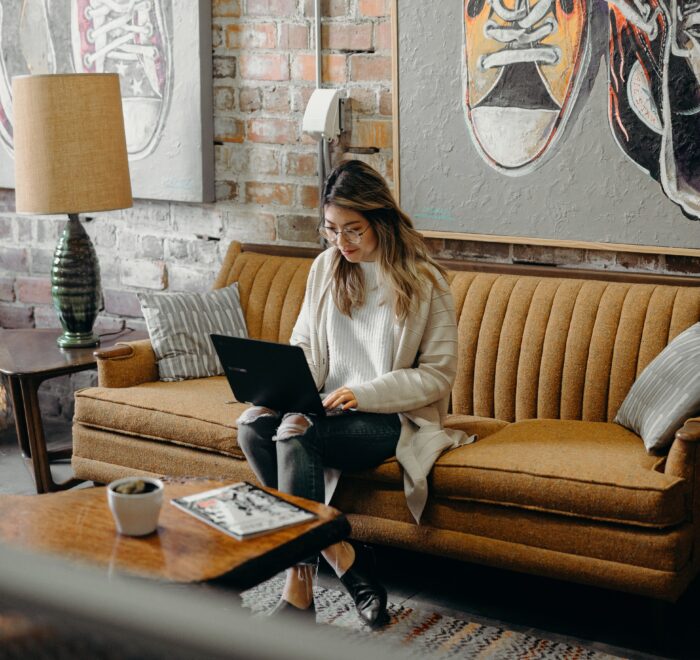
(70,157)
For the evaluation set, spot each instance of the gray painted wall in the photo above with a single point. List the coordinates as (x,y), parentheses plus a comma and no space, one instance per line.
(588,190)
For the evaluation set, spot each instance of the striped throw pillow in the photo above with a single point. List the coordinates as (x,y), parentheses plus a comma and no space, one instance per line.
(179,325)
(666,393)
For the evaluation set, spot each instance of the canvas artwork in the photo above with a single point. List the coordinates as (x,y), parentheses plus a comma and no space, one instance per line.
(161,50)
(525,64)
(563,120)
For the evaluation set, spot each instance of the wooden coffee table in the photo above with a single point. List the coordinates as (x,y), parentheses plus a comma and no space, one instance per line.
(78,525)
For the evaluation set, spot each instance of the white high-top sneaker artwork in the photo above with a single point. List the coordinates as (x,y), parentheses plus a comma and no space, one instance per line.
(131,38)
(128,37)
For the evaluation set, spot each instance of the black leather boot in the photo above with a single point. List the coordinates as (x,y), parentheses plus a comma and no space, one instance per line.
(361,582)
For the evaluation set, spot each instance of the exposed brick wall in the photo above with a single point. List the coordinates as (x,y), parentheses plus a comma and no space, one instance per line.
(266,185)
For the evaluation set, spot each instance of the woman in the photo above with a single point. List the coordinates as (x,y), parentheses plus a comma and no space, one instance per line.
(378,329)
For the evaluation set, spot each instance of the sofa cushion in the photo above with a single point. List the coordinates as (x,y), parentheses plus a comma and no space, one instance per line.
(595,470)
(666,393)
(197,413)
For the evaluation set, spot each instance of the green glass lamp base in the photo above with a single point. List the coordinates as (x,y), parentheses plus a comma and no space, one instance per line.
(78,340)
(75,286)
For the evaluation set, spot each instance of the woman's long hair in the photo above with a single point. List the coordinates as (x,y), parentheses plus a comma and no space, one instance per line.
(401,253)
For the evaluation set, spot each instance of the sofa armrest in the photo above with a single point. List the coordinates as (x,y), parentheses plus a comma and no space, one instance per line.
(690,431)
(681,457)
(126,364)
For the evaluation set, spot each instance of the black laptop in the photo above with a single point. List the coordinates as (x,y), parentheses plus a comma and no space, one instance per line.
(268,374)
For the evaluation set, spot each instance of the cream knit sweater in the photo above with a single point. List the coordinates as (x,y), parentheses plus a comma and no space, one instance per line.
(418,385)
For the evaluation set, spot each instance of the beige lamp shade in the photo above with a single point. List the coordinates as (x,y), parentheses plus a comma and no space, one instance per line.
(70,147)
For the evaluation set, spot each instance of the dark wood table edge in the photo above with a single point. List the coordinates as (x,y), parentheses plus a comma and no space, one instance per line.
(295,551)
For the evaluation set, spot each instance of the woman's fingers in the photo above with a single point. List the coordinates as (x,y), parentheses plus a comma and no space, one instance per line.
(340,397)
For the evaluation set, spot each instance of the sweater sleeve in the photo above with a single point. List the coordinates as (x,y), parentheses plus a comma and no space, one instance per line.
(301,333)
(432,376)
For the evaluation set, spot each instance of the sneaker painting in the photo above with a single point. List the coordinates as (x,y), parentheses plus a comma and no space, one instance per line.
(525,63)
(680,145)
(638,50)
(131,38)
(654,92)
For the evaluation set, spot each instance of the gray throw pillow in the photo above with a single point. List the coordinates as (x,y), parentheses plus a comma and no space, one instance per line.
(666,393)
(179,325)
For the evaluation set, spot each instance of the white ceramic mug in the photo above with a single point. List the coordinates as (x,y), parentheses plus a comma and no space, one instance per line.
(135,514)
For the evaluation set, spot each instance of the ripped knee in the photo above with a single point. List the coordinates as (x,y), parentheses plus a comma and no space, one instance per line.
(292,426)
(254,413)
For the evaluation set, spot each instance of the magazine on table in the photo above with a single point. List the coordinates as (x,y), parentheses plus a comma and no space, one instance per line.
(242,510)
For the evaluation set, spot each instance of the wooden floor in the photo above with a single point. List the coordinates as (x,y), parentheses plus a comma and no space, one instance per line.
(611,622)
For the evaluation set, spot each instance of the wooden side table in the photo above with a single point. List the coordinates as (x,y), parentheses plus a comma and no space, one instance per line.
(28,358)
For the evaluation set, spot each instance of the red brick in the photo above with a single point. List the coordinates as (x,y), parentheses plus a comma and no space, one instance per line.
(373,8)
(293,36)
(308,196)
(250,99)
(6,227)
(257,192)
(226,191)
(681,264)
(143,273)
(382,35)
(121,303)
(229,129)
(13,259)
(45,316)
(224,67)
(370,67)
(226,8)
(272,131)
(271,7)
(601,259)
(300,98)
(640,261)
(544,254)
(298,228)
(250,226)
(33,290)
(385,103)
(224,98)
(363,101)
(389,173)
(304,164)
(16,316)
(372,133)
(276,99)
(264,160)
(329,8)
(454,249)
(349,37)
(7,289)
(217,39)
(251,35)
(333,68)
(264,67)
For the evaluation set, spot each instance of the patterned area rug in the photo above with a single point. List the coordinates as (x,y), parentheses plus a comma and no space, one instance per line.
(424,634)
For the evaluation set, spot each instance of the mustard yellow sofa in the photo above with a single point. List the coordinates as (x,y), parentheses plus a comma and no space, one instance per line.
(553,487)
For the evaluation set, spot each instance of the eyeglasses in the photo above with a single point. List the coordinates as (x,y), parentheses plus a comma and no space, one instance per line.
(352,236)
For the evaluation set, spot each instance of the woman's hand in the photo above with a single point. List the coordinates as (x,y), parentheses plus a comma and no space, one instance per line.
(342,397)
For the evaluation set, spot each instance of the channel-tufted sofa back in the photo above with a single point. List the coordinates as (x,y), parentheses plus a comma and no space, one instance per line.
(529,347)
(540,347)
